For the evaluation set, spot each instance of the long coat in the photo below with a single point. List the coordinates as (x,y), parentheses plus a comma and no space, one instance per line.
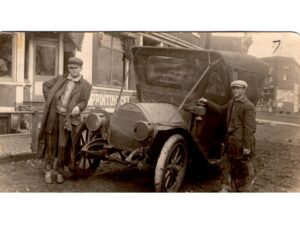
(241,125)
(52,90)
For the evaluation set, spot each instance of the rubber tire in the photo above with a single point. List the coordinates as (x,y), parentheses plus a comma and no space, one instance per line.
(163,160)
(79,173)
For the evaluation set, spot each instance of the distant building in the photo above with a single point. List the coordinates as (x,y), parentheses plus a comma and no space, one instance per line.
(281,91)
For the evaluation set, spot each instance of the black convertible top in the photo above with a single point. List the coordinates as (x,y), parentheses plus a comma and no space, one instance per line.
(233,59)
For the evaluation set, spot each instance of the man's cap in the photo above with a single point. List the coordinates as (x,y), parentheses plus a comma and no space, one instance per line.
(75,61)
(239,83)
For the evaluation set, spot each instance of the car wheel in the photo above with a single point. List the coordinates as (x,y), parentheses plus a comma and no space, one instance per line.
(171,165)
(85,164)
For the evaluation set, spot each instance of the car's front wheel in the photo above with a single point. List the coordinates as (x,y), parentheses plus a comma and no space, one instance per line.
(85,163)
(171,165)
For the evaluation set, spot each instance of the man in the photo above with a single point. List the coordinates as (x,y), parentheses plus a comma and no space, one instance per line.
(236,163)
(66,98)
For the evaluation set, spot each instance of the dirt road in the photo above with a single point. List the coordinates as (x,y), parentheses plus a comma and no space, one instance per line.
(277,163)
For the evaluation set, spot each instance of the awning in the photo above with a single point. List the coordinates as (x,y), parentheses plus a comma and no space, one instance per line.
(77,38)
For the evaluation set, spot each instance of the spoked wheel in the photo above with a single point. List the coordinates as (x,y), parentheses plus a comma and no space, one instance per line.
(85,164)
(171,165)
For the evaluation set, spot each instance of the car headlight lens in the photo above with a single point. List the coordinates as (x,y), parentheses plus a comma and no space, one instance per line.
(141,131)
(94,121)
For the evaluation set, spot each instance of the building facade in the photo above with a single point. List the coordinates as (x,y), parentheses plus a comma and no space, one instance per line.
(27,59)
(281,91)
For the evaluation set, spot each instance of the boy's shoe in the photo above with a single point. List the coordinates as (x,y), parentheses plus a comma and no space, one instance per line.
(224,189)
(59,178)
(67,173)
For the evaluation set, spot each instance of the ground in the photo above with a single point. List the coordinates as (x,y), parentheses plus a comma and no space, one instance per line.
(277,165)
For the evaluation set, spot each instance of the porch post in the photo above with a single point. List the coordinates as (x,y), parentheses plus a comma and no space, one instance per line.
(140,40)
(61,54)
(20,64)
(86,54)
(31,64)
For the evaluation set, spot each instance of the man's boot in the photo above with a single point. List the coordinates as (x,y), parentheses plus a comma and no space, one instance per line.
(251,170)
(226,183)
(59,178)
(48,176)
(67,173)
(60,165)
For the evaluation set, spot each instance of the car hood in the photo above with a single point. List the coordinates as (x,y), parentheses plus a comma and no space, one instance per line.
(161,116)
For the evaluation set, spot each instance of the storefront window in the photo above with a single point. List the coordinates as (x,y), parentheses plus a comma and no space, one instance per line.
(109,63)
(6,41)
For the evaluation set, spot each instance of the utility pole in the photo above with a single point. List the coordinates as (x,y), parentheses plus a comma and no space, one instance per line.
(208,38)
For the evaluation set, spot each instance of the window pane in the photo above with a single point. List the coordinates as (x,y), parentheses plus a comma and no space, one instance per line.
(173,72)
(215,85)
(117,78)
(5,55)
(45,60)
(108,67)
(103,67)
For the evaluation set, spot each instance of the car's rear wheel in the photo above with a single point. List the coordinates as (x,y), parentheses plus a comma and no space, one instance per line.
(171,165)
(85,164)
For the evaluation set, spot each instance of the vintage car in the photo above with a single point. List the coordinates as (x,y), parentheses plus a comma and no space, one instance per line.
(165,128)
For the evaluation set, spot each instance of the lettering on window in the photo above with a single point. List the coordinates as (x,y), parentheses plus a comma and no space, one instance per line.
(107,100)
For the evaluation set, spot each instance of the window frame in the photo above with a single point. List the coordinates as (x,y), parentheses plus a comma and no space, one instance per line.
(12,77)
(149,77)
(51,43)
(111,50)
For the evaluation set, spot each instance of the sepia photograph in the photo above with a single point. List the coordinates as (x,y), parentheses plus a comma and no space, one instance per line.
(149,116)
(118,111)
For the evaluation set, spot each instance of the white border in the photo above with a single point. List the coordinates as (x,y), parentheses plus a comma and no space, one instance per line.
(149,212)
(156,15)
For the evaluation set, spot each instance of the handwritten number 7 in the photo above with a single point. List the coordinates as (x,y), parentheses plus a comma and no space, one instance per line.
(278,44)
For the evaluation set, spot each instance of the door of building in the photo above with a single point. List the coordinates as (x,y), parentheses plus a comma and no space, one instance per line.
(45,65)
